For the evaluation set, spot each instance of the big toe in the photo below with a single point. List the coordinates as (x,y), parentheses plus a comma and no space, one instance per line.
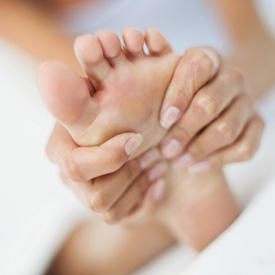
(67,96)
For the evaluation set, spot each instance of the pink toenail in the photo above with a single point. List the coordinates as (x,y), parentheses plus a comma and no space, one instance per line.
(169,117)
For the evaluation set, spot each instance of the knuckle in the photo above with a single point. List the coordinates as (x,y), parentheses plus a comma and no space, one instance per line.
(207,105)
(71,167)
(227,131)
(98,203)
(200,61)
(182,134)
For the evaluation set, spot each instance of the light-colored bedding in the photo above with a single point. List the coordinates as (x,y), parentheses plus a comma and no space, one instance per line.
(33,202)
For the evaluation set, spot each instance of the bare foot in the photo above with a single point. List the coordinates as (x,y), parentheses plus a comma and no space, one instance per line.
(128,87)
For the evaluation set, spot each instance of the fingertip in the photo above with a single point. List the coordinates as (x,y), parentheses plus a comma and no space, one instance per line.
(169,117)
(158,190)
(213,56)
(133,144)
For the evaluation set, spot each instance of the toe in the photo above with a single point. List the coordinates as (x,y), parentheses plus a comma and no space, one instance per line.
(133,41)
(111,46)
(156,42)
(67,95)
(90,55)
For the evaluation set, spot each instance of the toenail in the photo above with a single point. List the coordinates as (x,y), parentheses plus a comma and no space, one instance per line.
(201,167)
(171,148)
(132,144)
(183,161)
(158,190)
(157,171)
(148,158)
(169,117)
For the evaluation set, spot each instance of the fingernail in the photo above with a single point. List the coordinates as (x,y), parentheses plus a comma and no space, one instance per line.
(132,144)
(171,148)
(158,191)
(183,161)
(214,59)
(157,171)
(204,166)
(169,117)
(148,158)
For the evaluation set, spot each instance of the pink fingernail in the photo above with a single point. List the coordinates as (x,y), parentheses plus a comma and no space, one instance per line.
(214,59)
(158,191)
(171,148)
(132,144)
(148,158)
(169,117)
(157,171)
(201,167)
(183,161)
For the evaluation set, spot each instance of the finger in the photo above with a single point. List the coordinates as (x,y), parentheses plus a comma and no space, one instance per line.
(106,190)
(195,69)
(206,106)
(133,195)
(85,163)
(103,192)
(224,130)
(148,206)
(100,194)
(244,148)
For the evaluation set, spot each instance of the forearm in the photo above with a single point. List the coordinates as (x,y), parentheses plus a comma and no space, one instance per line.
(254,46)
(34,32)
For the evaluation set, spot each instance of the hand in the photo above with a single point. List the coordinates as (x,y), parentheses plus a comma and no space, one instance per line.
(215,120)
(102,178)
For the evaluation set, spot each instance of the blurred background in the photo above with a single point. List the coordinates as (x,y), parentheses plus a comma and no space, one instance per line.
(36,210)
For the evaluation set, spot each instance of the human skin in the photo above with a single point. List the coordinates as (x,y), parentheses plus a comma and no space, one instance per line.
(248,146)
(128,100)
(238,151)
(79,107)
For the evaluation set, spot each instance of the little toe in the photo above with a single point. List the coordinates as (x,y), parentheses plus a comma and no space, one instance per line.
(90,55)
(133,40)
(156,42)
(111,46)
(67,96)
